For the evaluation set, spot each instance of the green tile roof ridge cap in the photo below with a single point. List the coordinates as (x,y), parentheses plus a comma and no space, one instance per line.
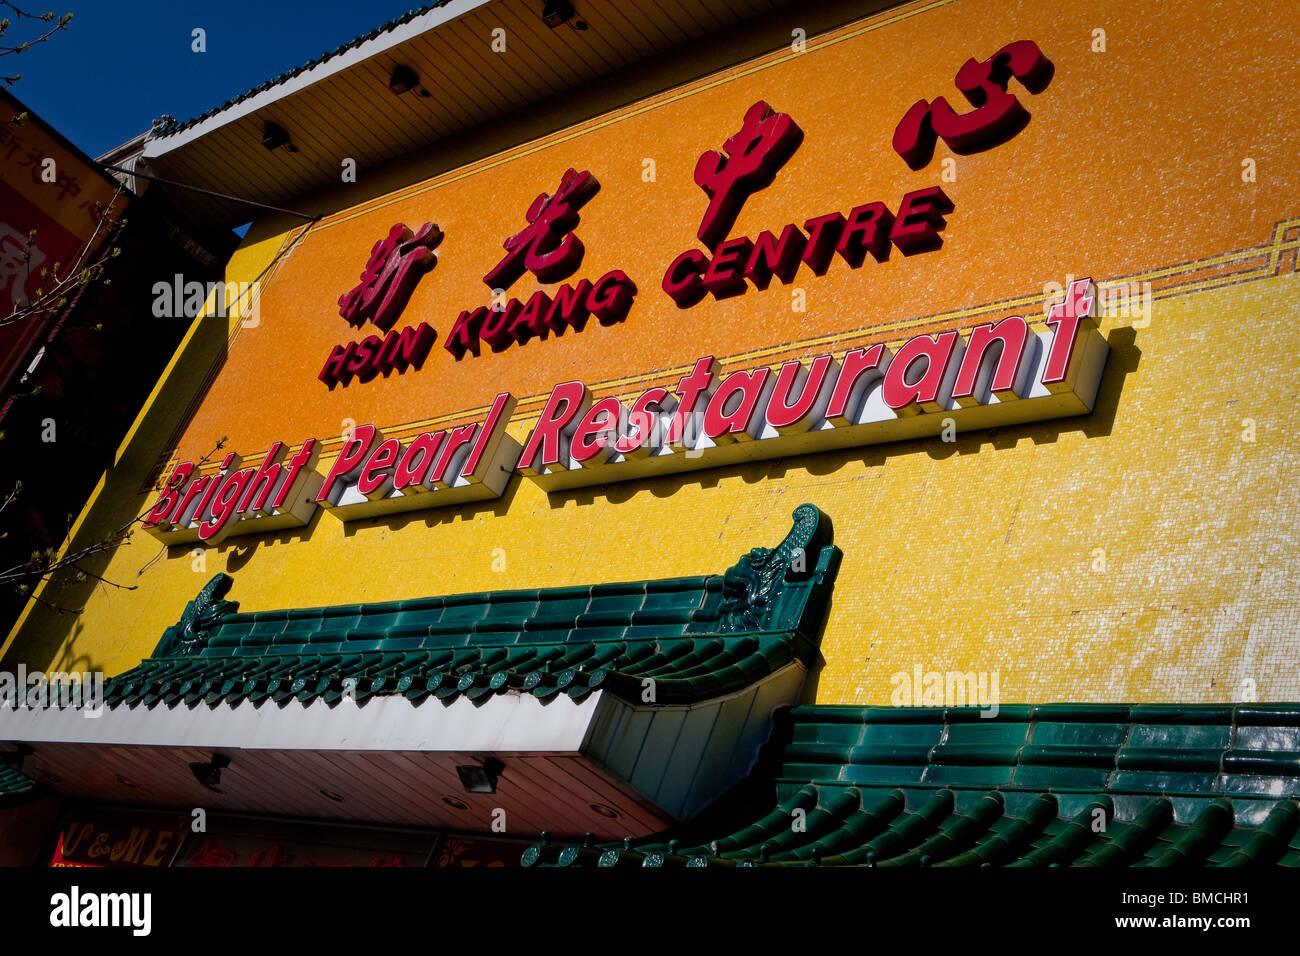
(780,583)
(767,590)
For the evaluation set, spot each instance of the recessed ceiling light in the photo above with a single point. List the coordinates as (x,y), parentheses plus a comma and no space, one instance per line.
(274,136)
(557,12)
(209,774)
(405,79)
(480,778)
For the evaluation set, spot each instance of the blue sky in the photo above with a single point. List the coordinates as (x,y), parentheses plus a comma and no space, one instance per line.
(120,65)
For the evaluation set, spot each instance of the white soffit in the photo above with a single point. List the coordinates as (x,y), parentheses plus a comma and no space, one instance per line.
(335,64)
(342,107)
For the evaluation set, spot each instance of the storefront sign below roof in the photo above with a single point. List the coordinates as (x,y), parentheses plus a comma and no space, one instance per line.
(119,838)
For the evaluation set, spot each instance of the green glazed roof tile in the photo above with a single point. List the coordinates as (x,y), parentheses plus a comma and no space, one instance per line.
(1173,714)
(924,787)
(697,637)
(1266,739)
(874,775)
(13,783)
(1163,782)
(1268,715)
(991,774)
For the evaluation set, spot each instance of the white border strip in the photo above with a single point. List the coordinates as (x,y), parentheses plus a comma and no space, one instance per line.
(505,723)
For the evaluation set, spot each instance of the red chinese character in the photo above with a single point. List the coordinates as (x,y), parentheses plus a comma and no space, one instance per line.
(753,157)
(997,116)
(547,247)
(68,184)
(395,267)
(271,856)
(209,855)
(93,211)
(20,266)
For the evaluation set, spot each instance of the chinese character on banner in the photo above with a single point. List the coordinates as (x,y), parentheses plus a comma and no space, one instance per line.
(68,184)
(18,264)
(11,143)
(997,116)
(93,211)
(749,162)
(464,851)
(547,247)
(395,267)
(209,855)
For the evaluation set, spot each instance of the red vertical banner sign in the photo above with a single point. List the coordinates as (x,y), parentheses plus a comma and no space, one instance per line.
(49,188)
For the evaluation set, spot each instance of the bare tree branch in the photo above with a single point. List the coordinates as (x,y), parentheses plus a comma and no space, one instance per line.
(26,576)
(80,274)
(18,486)
(58,608)
(92,574)
(60,23)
